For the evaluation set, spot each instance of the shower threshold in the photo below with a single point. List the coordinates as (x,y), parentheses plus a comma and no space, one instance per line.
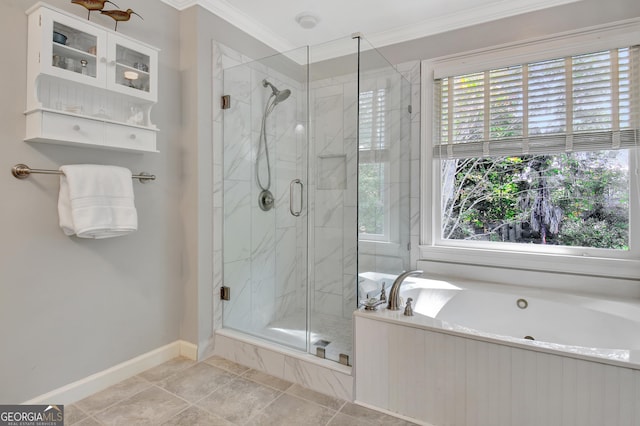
(321,375)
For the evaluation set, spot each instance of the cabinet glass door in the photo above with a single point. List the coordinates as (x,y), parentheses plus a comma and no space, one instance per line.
(132,69)
(73,50)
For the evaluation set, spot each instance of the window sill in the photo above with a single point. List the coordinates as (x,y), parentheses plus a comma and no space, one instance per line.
(558,263)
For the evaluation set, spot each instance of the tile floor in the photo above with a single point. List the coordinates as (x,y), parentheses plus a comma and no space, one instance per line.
(215,392)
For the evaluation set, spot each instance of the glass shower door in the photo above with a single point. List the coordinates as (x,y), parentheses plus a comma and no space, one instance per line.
(265,199)
(333,195)
(358,185)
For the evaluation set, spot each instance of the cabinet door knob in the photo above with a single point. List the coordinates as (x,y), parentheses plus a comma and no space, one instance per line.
(112,63)
(76,127)
(132,136)
(103,60)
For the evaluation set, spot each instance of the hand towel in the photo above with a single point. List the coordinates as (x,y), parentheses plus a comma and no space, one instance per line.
(96,201)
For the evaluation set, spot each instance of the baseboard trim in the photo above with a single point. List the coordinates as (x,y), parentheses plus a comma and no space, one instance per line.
(103,379)
(188,350)
(392,413)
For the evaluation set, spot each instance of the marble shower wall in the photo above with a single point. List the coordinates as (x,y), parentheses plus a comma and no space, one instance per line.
(333,196)
(263,253)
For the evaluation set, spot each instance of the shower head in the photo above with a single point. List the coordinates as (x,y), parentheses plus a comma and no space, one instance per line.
(279,95)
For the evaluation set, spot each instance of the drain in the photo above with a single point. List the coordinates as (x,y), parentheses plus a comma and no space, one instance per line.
(522,303)
(529,338)
(321,343)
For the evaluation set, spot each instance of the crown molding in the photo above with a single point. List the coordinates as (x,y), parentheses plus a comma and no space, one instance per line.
(180,4)
(235,17)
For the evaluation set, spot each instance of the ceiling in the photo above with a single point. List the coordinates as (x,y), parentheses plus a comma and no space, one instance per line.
(382,22)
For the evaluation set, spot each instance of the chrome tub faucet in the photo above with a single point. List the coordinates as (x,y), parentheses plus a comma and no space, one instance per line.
(394,293)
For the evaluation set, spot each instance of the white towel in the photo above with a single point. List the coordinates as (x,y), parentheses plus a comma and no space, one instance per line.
(96,201)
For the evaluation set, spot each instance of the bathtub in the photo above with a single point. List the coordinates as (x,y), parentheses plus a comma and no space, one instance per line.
(538,320)
(488,354)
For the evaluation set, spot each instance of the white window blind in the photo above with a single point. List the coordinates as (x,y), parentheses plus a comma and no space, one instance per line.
(372,120)
(374,169)
(579,103)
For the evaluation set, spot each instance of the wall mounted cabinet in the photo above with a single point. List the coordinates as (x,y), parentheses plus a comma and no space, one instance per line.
(88,85)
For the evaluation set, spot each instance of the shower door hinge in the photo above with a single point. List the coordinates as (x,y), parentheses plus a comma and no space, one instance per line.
(225,102)
(225,293)
(409,109)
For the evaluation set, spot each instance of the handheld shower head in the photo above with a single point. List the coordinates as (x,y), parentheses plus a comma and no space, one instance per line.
(283,95)
(279,95)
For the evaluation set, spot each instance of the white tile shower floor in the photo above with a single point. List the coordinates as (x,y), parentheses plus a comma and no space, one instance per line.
(291,331)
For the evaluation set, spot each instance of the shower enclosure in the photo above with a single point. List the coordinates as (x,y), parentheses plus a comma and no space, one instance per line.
(316,191)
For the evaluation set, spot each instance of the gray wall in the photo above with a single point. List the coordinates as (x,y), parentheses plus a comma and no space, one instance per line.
(71,307)
(202,309)
(572,16)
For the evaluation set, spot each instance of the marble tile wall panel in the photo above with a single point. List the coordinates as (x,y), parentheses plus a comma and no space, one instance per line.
(350,114)
(350,242)
(237,311)
(327,304)
(320,379)
(218,211)
(237,219)
(337,383)
(332,172)
(286,262)
(329,212)
(252,356)
(327,116)
(349,303)
(334,113)
(238,164)
(328,258)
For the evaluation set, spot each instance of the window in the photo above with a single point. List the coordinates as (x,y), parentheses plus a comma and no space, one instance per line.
(534,156)
(373,177)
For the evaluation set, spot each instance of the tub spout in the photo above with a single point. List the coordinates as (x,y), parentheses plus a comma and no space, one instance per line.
(394,293)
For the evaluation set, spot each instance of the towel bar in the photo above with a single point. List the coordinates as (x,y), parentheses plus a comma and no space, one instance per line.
(22,171)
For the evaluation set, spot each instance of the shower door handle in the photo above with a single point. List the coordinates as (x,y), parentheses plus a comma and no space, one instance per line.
(291,186)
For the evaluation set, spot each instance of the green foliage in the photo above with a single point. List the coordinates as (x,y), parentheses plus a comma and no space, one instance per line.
(610,234)
(371,198)
(577,199)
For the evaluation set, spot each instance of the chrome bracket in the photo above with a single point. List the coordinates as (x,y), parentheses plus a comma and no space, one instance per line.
(225,102)
(225,293)
(344,359)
